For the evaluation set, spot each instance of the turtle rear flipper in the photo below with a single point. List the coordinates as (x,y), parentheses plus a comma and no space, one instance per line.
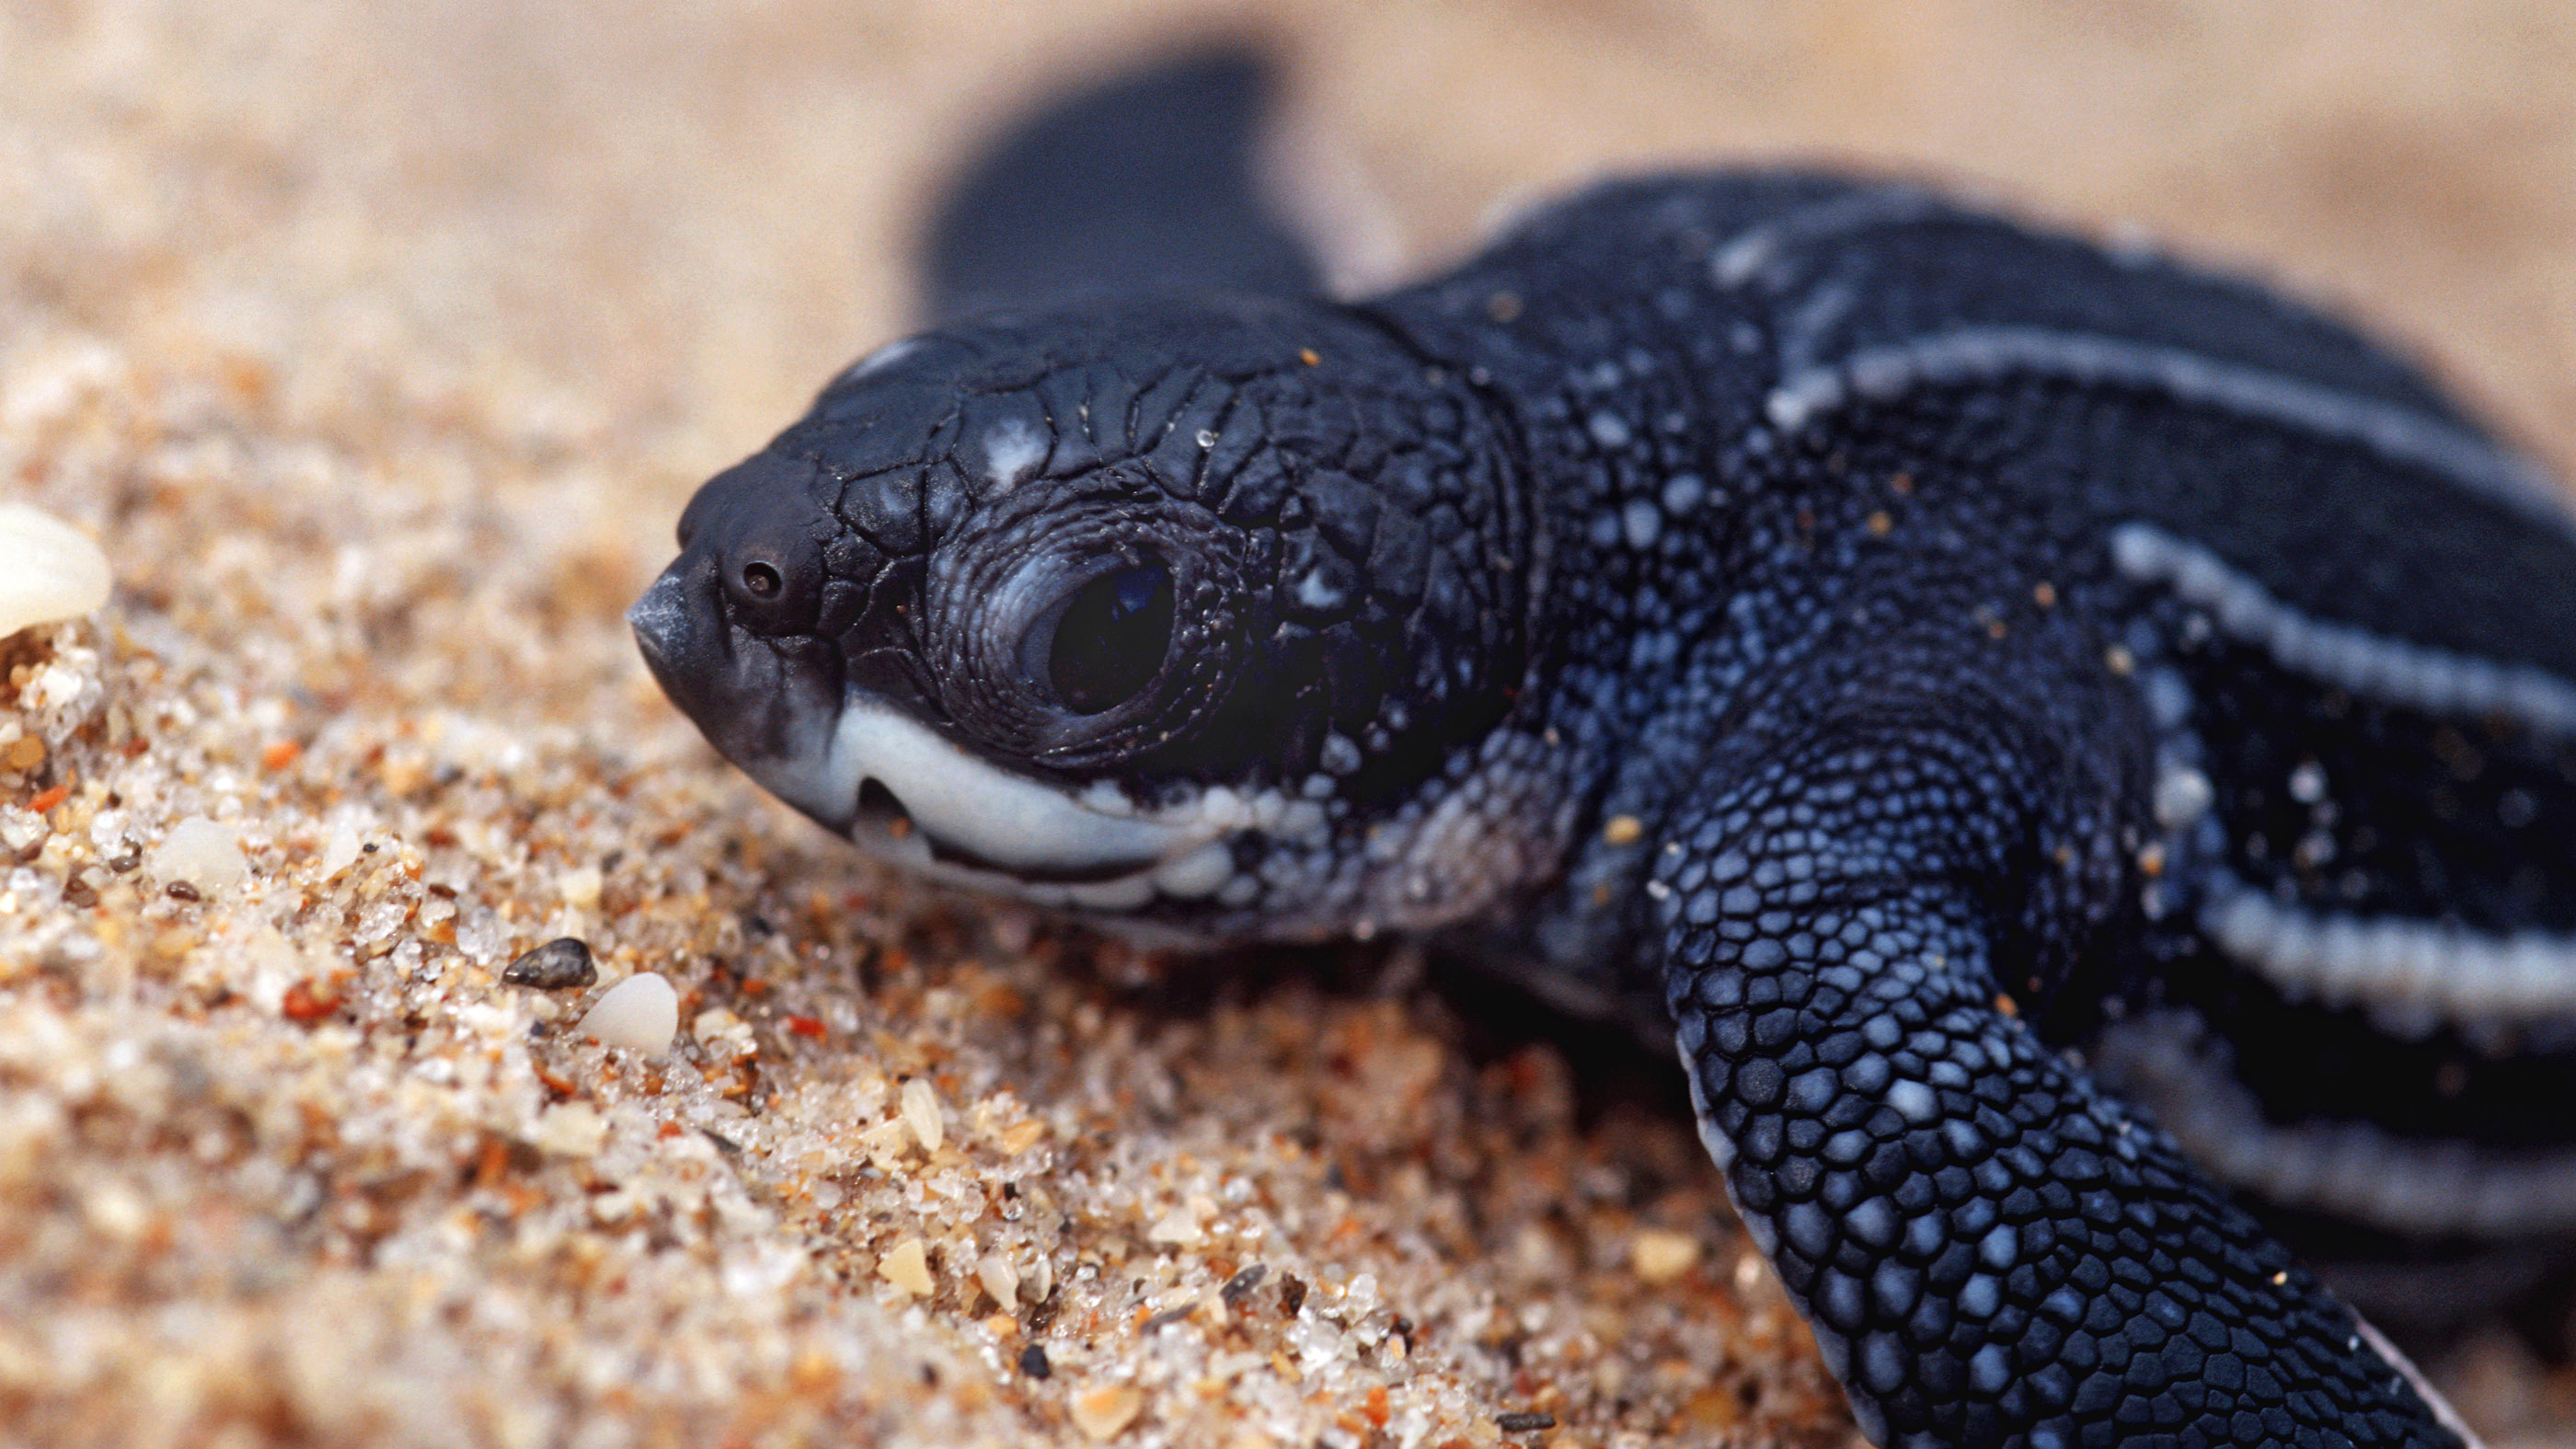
(1145,183)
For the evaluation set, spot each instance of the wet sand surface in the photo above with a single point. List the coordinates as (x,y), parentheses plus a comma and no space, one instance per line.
(380,346)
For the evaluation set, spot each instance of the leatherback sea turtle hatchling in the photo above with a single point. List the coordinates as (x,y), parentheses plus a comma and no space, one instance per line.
(2078,751)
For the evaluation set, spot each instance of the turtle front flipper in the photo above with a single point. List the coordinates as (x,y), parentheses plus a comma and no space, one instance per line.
(1147,183)
(1991,1249)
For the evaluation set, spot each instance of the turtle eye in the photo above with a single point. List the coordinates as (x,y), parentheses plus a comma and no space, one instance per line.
(762,581)
(1110,638)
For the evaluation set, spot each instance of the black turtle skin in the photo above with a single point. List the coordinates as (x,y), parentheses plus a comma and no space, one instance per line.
(2051,735)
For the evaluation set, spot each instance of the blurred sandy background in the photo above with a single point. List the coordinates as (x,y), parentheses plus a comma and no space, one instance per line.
(381,343)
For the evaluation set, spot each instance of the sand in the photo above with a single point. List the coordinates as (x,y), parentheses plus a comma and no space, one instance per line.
(379,346)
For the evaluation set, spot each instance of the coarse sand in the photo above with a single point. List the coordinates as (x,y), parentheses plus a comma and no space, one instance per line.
(379,345)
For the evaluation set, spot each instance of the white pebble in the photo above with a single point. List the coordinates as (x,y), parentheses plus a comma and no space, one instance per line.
(49,570)
(201,852)
(921,1114)
(52,688)
(1662,1257)
(908,1267)
(999,1279)
(572,1129)
(341,851)
(1177,1229)
(640,1013)
(580,887)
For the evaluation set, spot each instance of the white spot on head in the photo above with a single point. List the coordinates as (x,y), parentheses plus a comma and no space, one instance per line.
(884,357)
(1011,451)
(1315,593)
(2182,796)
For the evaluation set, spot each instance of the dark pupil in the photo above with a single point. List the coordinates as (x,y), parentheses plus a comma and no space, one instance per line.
(1110,642)
(762,581)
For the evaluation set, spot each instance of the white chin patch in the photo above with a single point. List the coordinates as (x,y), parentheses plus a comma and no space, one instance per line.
(1012,826)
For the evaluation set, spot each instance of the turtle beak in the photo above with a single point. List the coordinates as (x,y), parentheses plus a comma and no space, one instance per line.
(680,627)
(768,705)
(669,631)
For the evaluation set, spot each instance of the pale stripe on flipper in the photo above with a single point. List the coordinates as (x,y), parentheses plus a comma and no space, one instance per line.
(1692,1039)
(2414,1377)
(1982,354)
(2346,656)
(2429,968)
(2164,1063)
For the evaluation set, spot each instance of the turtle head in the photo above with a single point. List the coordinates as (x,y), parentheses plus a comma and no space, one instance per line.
(1155,611)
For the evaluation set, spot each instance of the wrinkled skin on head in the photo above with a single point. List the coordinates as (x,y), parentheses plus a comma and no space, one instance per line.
(1155,610)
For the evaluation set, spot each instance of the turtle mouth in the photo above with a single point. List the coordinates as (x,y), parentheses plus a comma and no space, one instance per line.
(898,789)
(880,812)
(863,768)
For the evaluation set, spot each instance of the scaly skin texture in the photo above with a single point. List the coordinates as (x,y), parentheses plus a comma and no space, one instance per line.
(2076,751)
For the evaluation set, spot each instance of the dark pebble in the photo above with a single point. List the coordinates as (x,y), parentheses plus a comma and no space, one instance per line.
(1523,1422)
(1240,1286)
(1033,1362)
(559,965)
